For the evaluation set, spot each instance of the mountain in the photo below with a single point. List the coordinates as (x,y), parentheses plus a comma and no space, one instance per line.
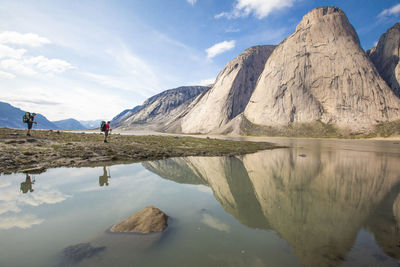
(321,73)
(318,80)
(230,93)
(69,124)
(11,117)
(90,124)
(162,109)
(385,55)
(117,120)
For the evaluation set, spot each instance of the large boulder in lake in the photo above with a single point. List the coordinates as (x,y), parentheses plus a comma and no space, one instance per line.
(150,219)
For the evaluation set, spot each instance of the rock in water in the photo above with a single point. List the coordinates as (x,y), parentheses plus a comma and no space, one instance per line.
(321,72)
(386,56)
(80,252)
(230,93)
(147,220)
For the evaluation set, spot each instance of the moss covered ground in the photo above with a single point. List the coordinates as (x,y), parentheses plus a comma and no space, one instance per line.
(48,149)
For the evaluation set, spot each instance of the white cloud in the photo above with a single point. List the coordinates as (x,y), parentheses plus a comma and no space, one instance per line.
(44,197)
(220,48)
(17,66)
(6,75)
(232,30)
(11,199)
(192,2)
(204,82)
(9,207)
(107,80)
(224,14)
(16,60)
(4,183)
(48,65)
(8,52)
(215,223)
(33,65)
(23,222)
(71,96)
(135,71)
(259,8)
(28,39)
(394,10)
(204,189)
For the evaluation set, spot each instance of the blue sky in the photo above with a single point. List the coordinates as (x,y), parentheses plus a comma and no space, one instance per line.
(90,59)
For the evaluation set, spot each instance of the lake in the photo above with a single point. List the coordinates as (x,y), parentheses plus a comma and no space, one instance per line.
(318,203)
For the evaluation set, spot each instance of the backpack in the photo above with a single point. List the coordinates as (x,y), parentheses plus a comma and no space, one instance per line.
(26,117)
(103,126)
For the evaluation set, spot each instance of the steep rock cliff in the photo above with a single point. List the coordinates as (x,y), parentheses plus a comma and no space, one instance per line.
(230,93)
(321,72)
(386,55)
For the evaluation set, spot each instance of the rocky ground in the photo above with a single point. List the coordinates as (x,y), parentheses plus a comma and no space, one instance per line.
(48,149)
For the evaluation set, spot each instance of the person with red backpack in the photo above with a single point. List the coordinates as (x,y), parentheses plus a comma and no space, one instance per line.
(107,129)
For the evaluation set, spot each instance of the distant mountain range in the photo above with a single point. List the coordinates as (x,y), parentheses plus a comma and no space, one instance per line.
(69,124)
(159,110)
(317,77)
(117,120)
(91,124)
(11,117)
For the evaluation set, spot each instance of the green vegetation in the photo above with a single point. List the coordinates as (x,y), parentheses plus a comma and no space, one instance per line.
(319,129)
(312,129)
(387,129)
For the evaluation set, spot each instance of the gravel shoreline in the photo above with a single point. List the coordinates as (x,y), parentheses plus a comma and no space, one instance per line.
(49,149)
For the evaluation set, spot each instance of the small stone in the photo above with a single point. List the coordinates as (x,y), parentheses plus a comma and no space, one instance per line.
(150,219)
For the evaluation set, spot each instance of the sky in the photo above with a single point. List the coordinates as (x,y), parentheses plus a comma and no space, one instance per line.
(91,59)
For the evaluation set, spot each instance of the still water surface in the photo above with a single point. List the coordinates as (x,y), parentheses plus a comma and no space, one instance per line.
(319,203)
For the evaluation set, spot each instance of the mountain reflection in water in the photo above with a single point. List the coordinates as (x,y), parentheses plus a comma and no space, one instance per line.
(317,202)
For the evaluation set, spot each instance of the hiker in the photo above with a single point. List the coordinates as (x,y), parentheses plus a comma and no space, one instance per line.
(29,119)
(27,185)
(106,131)
(104,178)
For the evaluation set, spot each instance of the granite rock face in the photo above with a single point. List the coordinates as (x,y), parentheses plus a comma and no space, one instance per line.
(386,55)
(147,220)
(163,108)
(230,93)
(321,72)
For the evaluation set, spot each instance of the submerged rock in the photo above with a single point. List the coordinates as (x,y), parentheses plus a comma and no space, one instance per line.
(79,252)
(150,219)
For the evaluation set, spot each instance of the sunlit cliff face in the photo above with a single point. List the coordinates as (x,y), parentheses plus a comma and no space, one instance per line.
(317,201)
